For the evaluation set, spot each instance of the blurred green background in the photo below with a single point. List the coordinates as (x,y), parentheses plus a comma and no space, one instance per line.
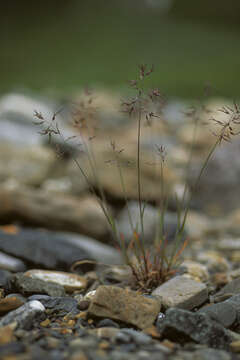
(59,46)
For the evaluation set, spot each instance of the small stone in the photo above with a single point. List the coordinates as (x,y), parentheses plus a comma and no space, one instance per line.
(195,271)
(181,292)
(107,323)
(69,281)
(24,315)
(7,333)
(45,323)
(137,336)
(10,303)
(26,285)
(83,305)
(65,305)
(187,326)
(235,346)
(214,261)
(106,332)
(124,305)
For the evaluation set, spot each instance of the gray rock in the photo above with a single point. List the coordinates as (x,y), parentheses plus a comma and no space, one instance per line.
(107,323)
(232,288)
(202,354)
(10,350)
(63,304)
(27,285)
(181,292)
(234,301)
(150,222)
(42,248)
(222,176)
(25,165)
(11,263)
(211,354)
(25,315)
(223,312)
(5,278)
(184,326)
(53,211)
(135,336)
(17,116)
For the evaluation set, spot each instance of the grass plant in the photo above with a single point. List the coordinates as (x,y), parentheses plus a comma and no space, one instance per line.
(149,267)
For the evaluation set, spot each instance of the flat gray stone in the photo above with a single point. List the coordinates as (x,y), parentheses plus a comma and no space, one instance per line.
(223,312)
(181,292)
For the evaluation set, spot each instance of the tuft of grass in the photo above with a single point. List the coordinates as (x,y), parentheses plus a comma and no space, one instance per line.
(149,267)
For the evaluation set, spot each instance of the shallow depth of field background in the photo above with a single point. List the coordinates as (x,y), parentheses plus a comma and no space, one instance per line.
(59,46)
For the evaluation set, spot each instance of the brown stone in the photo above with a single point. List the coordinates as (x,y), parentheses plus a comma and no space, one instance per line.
(6,333)
(124,305)
(10,303)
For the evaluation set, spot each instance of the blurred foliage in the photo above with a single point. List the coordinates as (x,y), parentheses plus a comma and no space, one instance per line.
(63,45)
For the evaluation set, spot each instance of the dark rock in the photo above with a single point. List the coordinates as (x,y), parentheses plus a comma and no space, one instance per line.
(63,304)
(24,315)
(232,288)
(223,312)
(27,285)
(234,301)
(107,323)
(42,248)
(12,349)
(185,326)
(5,279)
(11,263)
(136,336)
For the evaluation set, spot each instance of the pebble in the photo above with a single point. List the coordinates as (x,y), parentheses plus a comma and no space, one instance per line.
(10,303)
(26,285)
(195,271)
(64,305)
(69,281)
(181,292)
(24,315)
